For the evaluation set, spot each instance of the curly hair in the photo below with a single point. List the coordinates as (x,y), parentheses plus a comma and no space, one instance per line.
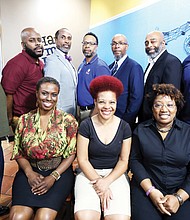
(165,89)
(106,83)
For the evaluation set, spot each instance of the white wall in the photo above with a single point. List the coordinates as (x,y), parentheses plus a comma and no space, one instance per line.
(47,16)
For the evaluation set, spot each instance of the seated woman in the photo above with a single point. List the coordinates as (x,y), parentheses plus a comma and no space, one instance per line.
(44,148)
(160,160)
(103,147)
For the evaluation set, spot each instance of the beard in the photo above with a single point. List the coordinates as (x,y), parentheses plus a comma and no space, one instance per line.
(157,51)
(63,49)
(89,54)
(32,53)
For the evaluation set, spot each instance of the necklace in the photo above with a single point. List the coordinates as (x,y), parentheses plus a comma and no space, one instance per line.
(163,130)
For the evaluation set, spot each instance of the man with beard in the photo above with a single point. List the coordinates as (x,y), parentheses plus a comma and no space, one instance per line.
(20,75)
(130,73)
(90,68)
(59,66)
(163,67)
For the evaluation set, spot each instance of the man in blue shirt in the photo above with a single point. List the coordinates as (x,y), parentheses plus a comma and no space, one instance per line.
(90,68)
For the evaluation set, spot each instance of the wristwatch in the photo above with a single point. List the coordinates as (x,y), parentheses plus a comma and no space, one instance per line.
(180,200)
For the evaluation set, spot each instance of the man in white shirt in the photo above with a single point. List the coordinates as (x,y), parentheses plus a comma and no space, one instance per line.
(163,68)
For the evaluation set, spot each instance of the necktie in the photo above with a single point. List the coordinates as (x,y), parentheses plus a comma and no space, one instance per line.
(68,58)
(114,69)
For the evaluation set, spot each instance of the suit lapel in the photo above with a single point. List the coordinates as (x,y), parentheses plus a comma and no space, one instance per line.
(69,66)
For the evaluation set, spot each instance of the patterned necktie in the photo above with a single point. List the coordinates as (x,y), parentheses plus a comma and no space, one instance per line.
(114,69)
(68,58)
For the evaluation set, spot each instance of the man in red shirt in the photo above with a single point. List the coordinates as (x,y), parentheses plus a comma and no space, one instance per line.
(20,75)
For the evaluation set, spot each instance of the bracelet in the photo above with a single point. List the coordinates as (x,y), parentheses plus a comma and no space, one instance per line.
(150,190)
(180,200)
(55,174)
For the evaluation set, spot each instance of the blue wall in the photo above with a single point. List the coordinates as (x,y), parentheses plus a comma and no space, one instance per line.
(170,16)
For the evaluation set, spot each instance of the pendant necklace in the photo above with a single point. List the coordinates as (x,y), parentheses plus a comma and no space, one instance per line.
(163,130)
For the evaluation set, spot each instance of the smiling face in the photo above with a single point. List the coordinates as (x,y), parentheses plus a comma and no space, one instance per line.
(47,96)
(106,104)
(164,110)
(154,44)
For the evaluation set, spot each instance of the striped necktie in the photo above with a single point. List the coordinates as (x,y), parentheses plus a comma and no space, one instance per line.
(114,69)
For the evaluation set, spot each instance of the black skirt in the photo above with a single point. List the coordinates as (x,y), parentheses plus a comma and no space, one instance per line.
(53,199)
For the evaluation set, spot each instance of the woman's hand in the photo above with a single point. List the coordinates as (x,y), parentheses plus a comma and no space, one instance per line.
(158,199)
(105,199)
(100,185)
(34,179)
(171,204)
(43,186)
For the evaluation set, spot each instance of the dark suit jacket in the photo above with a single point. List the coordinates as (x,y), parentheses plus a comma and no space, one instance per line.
(167,69)
(130,73)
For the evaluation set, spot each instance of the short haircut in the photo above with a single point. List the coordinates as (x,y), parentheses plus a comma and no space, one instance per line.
(105,83)
(47,79)
(57,32)
(166,89)
(92,34)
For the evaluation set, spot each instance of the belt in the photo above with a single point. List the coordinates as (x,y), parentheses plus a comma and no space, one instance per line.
(47,164)
(85,108)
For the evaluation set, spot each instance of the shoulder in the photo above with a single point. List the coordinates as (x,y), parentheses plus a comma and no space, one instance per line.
(51,57)
(183,125)
(170,57)
(125,127)
(186,62)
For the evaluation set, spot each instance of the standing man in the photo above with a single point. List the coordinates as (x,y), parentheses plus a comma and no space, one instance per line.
(4,131)
(130,73)
(90,68)
(163,67)
(185,112)
(20,75)
(58,65)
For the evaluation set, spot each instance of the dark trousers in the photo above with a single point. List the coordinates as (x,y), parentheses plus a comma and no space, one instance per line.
(1,165)
(144,209)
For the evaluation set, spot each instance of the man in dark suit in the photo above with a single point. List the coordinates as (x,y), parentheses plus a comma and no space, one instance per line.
(163,67)
(131,75)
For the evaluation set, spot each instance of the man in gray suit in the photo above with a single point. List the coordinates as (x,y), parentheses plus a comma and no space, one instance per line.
(58,65)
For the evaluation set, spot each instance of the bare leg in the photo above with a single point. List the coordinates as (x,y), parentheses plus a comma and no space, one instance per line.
(117,217)
(21,212)
(45,214)
(87,214)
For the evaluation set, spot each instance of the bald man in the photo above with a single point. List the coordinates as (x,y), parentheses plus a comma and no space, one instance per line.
(130,73)
(163,67)
(20,75)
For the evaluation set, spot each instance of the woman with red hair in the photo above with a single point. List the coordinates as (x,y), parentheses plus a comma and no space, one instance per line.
(103,148)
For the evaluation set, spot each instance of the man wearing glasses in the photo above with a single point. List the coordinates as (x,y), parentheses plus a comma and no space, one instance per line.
(90,68)
(130,73)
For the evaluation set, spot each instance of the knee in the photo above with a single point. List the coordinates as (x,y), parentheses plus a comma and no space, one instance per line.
(44,214)
(17,215)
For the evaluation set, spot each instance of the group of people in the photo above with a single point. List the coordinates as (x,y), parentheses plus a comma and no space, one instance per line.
(113,118)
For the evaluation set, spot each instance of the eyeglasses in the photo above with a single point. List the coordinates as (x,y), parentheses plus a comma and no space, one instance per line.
(118,43)
(85,43)
(168,106)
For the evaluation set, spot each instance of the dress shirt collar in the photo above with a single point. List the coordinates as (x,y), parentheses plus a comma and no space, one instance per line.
(177,123)
(31,59)
(91,61)
(152,61)
(60,52)
(120,61)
